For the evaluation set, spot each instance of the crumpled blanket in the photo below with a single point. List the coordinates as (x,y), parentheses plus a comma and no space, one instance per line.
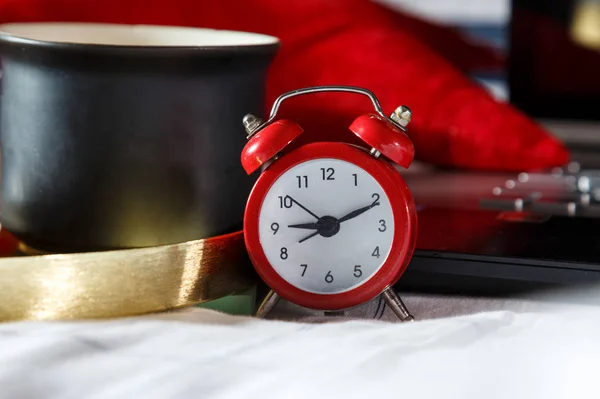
(204,354)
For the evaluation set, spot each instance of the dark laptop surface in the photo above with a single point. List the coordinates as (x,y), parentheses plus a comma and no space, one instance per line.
(489,234)
(501,233)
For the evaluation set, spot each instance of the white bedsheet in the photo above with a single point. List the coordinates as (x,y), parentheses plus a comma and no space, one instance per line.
(204,354)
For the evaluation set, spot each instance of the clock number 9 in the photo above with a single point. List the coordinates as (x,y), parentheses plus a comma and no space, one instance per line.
(275,228)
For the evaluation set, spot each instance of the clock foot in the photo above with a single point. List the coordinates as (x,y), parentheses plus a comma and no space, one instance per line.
(334,313)
(267,304)
(395,303)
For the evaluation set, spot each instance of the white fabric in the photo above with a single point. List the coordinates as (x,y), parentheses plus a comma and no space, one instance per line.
(431,306)
(204,354)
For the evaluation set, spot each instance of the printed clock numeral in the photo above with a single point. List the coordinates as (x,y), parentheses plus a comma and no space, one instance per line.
(357,271)
(304,267)
(355,179)
(285,202)
(382,226)
(327,173)
(329,277)
(275,228)
(375,198)
(302,181)
(283,254)
(375,253)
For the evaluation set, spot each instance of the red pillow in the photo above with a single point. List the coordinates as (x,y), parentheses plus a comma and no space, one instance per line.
(352,42)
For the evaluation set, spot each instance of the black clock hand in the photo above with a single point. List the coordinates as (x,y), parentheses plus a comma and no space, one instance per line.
(308,226)
(309,236)
(357,212)
(303,207)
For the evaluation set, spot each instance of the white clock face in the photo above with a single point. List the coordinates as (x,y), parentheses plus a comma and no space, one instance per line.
(326,226)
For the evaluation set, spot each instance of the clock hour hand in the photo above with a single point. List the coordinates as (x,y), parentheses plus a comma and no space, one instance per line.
(357,212)
(308,226)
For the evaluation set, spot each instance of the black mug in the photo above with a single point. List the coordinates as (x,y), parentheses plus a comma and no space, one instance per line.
(118,136)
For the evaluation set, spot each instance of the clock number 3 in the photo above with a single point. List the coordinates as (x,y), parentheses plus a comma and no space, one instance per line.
(382,226)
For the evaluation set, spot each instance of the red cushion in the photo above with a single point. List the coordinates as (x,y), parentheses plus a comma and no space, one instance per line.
(352,42)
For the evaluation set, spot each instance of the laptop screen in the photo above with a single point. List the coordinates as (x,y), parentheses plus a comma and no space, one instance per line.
(554,59)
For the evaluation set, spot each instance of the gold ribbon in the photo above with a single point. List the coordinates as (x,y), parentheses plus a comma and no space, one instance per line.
(123,282)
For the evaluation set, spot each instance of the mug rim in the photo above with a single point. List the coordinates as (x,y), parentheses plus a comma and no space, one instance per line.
(9,33)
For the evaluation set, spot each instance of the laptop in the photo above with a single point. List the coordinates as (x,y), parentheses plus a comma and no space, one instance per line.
(497,234)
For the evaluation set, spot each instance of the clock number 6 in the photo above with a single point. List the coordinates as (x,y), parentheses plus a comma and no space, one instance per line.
(329,278)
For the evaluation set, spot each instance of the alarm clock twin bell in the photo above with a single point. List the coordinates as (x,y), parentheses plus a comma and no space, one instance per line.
(329,225)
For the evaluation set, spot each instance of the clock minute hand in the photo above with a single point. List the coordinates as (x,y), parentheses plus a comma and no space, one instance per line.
(304,208)
(357,212)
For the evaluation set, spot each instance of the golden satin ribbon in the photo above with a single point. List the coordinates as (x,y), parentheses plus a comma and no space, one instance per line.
(123,282)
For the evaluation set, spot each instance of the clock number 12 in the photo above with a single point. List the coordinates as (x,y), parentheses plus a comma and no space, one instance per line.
(328,173)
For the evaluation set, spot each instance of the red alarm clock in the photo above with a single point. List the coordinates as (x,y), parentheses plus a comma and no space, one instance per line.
(330,225)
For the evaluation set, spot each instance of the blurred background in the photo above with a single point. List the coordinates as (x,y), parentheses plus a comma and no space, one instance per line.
(483,21)
(551,57)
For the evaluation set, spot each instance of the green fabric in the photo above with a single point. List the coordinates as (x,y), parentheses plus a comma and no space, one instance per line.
(239,304)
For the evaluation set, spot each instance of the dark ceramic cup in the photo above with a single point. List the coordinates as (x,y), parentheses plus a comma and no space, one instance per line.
(117,136)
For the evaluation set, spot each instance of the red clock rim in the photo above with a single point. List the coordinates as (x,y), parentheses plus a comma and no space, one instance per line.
(402,244)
